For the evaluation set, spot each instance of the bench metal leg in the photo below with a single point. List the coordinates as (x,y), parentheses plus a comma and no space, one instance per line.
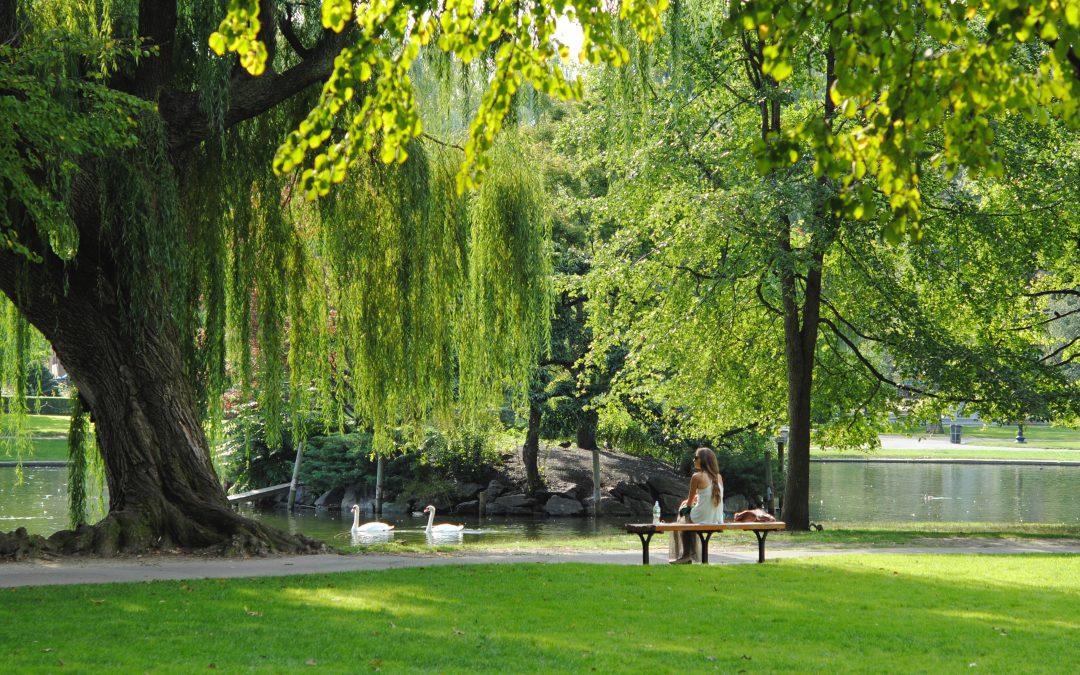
(704,538)
(645,538)
(761,534)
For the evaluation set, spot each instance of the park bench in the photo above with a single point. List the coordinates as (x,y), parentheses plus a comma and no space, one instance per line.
(645,532)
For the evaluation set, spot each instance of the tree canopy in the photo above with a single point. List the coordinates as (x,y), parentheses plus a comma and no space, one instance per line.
(178,221)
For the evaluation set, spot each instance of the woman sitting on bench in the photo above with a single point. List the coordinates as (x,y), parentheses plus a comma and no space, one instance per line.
(704,504)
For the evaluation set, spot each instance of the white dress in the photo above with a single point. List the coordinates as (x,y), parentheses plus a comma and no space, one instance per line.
(680,543)
(704,511)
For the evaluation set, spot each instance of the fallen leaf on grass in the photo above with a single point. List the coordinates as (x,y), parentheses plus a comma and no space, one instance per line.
(47,649)
(458,632)
(211,666)
(375,664)
(710,658)
(312,662)
(252,613)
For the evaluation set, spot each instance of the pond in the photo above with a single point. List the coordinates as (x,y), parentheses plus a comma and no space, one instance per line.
(859,492)
(891,492)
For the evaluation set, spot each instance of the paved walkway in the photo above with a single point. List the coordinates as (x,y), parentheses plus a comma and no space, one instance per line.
(167,567)
(900,442)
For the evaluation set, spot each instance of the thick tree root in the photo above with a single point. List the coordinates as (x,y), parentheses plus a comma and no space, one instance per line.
(123,533)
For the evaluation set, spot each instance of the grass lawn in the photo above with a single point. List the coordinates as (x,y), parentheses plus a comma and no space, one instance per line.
(949,453)
(1054,438)
(1002,613)
(43,425)
(51,448)
(1043,437)
(50,437)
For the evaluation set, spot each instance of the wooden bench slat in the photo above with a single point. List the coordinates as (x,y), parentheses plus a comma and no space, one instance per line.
(702,527)
(704,531)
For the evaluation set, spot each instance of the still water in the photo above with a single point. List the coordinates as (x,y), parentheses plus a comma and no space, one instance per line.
(861,492)
(999,493)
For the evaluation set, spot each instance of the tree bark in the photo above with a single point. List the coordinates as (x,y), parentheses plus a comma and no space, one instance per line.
(162,486)
(531,449)
(163,490)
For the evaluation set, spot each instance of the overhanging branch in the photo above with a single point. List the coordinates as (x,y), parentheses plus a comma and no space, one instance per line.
(869,366)
(249,96)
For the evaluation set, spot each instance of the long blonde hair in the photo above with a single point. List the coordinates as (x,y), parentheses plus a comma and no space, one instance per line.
(711,467)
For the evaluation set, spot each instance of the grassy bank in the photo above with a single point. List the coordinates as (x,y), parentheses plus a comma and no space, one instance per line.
(1052,438)
(959,452)
(849,613)
(49,433)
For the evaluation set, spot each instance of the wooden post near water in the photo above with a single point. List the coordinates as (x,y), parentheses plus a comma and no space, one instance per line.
(295,475)
(595,482)
(378,486)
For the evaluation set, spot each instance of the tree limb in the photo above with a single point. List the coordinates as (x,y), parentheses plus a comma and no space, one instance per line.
(1044,321)
(1061,349)
(189,125)
(288,31)
(869,366)
(1058,291)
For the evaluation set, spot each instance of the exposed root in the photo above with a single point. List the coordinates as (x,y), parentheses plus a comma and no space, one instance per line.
(126,533)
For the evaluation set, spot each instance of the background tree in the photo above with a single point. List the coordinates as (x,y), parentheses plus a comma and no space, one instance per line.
(727,234)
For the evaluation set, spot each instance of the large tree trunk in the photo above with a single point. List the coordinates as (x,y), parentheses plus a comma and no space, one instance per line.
(531,450)
(800,344)
(163,491)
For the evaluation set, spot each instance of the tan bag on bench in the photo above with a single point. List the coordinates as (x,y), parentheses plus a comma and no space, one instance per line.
(754,516)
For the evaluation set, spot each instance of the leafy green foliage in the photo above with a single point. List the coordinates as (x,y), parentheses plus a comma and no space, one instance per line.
(55,115)
(908,74)
(519,38)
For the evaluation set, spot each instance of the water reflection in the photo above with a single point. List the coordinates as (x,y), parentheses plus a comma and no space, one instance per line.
(886,492)
(360,538)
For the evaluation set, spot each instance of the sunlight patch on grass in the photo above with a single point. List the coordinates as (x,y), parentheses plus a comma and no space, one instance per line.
(860,612)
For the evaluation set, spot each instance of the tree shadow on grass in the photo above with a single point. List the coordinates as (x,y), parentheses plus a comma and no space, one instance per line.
(880,612)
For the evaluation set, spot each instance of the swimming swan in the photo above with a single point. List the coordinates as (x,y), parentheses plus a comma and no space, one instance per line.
(367,527)
(441,527)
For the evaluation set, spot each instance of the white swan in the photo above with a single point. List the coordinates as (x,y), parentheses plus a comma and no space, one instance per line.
(367,527)
(441,528)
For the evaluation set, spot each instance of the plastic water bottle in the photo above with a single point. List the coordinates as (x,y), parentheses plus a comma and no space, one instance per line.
(656,513)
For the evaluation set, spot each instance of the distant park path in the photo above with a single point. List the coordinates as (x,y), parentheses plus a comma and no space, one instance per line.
(899,442)
(168,567)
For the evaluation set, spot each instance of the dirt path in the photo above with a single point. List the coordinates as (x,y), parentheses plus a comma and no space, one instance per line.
(167,567)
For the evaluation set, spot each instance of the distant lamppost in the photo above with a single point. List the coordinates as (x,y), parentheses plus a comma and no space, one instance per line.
(781,441)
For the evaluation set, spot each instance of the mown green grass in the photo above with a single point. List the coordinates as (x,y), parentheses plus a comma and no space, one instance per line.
(43,425)
(960,452)
(43,449)
(49,433)
(1053,438)
(1014,613)
(1043,437)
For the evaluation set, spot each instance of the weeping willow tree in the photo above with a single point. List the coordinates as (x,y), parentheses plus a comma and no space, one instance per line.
(157,236)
